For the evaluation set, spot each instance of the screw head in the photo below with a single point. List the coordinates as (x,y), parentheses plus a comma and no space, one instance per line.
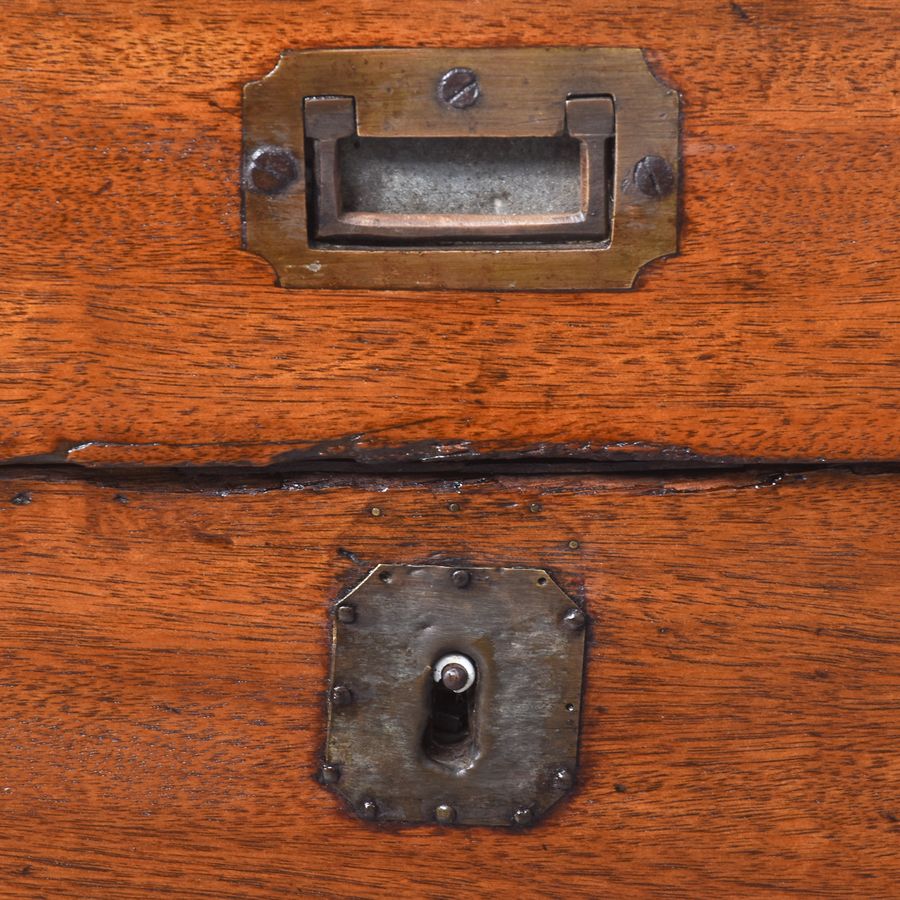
(272,170)
(341,695)
(563,779)
(461,578)
(346,614)
(331,774)
(459,88)
(654,177)
(454,677)
(574,619)
(368,809)
(445,814)
(574,545)
(524,815)
(453,507)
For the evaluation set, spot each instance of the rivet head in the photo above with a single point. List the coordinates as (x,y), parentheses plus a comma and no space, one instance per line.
(331,774)
(461,578)
(563,778)
(573,545)
(654,177)
(272,170)
(574,620)
(454,677)
(524,815)
(368,809)
(453,507)
(346,614)
(445,814)
(459,88)
(341,695)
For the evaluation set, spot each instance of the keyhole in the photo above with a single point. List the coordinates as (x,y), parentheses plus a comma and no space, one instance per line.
(449,737)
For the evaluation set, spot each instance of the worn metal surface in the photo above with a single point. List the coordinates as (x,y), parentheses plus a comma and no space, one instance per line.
(511,176)
(522,750)
(521,93)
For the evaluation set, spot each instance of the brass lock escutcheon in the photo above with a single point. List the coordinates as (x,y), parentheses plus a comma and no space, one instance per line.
(455,695)
(535,169)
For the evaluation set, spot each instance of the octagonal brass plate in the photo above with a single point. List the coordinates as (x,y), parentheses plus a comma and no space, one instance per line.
(525,638)
(522,94)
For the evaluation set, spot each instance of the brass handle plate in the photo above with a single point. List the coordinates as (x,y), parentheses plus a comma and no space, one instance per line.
(625,210)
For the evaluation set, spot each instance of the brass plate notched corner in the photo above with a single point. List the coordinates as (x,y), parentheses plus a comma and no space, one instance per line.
(455,695)
(526,169)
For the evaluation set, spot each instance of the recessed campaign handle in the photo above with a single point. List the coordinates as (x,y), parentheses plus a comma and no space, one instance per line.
(330,120)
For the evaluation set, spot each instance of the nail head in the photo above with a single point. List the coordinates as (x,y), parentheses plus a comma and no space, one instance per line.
(461,578)
(368,809)
(574,619)
(331,774)
(445,814)
(341,695)
(524,815)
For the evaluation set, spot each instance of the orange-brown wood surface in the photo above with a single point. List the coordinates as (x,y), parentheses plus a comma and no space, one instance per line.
(135,330)
(164,663)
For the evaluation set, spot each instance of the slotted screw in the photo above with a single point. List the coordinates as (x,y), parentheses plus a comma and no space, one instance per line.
(654,177)
(459,88)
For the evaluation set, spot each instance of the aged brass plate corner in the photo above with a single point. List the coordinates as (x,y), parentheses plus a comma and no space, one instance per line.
(517,169)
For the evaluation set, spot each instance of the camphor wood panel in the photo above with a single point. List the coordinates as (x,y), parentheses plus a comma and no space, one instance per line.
(165,656)
(134,329)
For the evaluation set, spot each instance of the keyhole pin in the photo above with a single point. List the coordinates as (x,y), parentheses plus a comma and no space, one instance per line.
(455,672)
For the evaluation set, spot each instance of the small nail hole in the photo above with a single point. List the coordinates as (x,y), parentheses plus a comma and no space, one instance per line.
(542,581)
(386,577)
(570,707)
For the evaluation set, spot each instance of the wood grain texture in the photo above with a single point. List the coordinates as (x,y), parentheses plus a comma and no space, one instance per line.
(164,655)
(134,329)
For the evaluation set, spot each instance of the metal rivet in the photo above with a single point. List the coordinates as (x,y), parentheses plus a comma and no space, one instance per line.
(272,170)
(654,177)
(524,815)
(453,507)
(445,814)
(535,507)
(461,578)
(376,511)
(386,576)
(341,695)
(563,779)
(368,809)
(459,88)
(330,774)
(573,545)
(574,619)
(454,677)
(346,614)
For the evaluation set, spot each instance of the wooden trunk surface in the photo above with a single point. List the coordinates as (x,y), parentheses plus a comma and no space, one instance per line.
(165,646)
(135,330)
